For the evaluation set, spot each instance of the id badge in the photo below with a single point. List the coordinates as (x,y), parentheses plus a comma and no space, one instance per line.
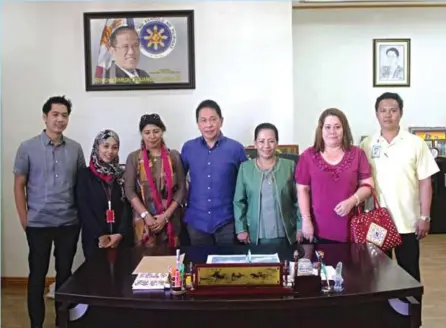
(376,151)
(110,215)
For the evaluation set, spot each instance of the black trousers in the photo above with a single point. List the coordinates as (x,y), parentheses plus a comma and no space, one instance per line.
(40,241)
(408,255)
(225,235)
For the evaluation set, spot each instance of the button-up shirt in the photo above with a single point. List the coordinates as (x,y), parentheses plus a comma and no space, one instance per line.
(51,172)
(213,176)
(397,168)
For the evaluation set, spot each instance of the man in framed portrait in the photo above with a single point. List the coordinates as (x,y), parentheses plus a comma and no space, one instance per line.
(124,48)
(392,69)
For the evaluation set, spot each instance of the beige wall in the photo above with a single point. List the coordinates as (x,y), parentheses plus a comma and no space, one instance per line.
(260,60)
(333,66)
(243,61)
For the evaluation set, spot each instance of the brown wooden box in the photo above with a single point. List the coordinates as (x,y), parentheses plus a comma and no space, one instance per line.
(307,285)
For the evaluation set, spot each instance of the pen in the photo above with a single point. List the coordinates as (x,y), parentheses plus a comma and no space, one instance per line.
(182,271)
(323,268)
(178,259)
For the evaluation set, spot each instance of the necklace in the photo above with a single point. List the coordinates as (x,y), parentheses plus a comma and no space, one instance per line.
(268,176)
(154,158)
(267,171)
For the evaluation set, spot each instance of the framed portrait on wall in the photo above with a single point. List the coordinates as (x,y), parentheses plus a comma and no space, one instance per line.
(391,62)
(139,50)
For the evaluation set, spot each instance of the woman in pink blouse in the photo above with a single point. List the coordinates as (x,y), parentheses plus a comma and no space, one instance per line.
(328,177)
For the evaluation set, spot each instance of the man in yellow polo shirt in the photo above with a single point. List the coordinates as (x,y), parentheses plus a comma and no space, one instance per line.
(402,167)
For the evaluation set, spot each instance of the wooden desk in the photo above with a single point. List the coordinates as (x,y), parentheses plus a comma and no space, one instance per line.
(370,277)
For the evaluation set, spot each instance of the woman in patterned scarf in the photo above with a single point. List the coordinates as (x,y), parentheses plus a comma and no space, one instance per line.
(104,212)
(155,186)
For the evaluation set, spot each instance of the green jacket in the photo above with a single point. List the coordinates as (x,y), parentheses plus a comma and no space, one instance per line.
(247,198)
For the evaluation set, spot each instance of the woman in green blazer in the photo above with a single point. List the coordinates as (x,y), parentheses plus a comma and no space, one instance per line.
(265,201)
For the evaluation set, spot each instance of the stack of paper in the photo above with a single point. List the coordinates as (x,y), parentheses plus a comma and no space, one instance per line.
(150,281)
(153,271)
(157,264)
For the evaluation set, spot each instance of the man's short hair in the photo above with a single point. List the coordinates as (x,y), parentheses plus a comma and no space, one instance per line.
(120,30)
(60,100)
(208,104)
(389,95)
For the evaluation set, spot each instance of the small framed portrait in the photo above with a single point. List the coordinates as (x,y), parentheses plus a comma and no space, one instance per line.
(391,62)
(139,50)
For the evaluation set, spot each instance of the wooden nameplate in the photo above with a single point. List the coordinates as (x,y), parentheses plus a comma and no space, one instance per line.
(240,291)
(239,279)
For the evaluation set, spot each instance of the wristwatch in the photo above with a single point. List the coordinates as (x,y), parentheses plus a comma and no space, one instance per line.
(144,214)
(425,218)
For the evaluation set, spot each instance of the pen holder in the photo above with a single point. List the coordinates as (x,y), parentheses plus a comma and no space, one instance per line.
(177,291)
(305,281)
(177,286)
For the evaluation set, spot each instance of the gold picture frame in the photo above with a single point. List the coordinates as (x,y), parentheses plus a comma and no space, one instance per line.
(391,62)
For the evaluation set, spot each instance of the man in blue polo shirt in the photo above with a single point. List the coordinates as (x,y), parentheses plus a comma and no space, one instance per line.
(212,161)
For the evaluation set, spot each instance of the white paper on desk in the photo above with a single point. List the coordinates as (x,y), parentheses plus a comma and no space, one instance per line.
(242,258)
(150,281)
(331,271)
(157,264)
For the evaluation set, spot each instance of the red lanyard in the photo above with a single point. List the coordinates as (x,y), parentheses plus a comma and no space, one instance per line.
(108,192)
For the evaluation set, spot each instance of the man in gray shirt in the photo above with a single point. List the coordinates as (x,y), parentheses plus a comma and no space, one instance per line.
(45,170)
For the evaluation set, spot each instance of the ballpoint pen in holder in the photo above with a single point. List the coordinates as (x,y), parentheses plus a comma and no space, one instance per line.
(177,279)
(327,287)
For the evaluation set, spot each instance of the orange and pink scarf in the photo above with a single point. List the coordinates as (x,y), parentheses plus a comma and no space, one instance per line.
(146,174)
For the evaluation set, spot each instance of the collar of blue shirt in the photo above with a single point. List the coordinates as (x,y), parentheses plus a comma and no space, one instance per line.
(220,139)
